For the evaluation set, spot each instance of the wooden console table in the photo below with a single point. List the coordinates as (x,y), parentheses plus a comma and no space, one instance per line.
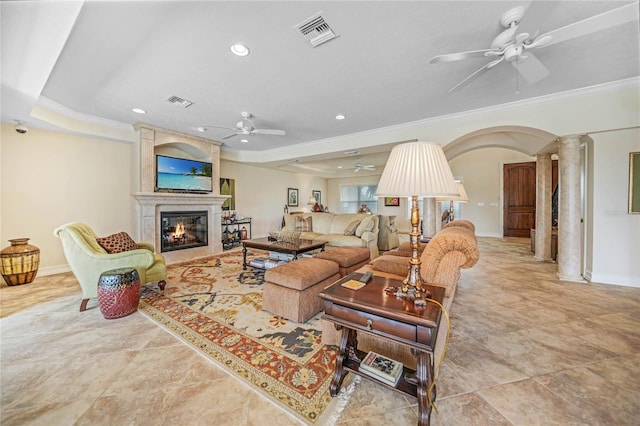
(374,311)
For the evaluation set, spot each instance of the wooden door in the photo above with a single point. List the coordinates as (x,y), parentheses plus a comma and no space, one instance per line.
(519,199)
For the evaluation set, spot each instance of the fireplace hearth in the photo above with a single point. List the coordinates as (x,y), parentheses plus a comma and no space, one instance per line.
(183,230)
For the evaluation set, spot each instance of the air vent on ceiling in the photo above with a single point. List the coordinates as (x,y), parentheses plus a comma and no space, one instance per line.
(316,30)
(179,101)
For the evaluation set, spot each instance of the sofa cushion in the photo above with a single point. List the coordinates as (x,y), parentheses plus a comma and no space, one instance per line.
(304,224)
(365,225)
(351,228)
(396,265)
(339,240)
(322,222)
(117,243)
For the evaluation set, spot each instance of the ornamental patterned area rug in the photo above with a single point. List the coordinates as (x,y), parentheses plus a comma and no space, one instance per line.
(215,306)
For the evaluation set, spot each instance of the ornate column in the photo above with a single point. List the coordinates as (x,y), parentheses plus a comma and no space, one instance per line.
(429,217)
(569,214)
(543,208)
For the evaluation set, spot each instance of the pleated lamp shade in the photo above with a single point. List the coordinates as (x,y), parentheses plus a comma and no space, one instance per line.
(461,198)
(417,168)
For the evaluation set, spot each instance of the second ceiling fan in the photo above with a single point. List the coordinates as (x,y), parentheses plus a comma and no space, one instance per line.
(246,127)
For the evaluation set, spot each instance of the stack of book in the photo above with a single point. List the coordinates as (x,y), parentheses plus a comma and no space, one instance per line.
(258,263)
(270,263)
(280,256)
(382,368)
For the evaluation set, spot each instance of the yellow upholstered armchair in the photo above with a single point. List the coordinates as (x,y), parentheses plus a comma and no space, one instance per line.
(88,259)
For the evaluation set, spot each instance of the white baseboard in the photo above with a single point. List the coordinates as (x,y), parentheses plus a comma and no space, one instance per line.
(614,280)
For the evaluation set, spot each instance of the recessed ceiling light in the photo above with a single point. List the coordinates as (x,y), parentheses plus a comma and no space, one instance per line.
(354,152)
(244,140)
(201,129)
(239,49)
(340,117)
(139,111)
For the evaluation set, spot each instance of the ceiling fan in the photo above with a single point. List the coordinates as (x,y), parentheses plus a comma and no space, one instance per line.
(521,35)
(246,127)
(359,166)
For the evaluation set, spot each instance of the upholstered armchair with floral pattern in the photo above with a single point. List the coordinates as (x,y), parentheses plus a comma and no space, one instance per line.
(88,259)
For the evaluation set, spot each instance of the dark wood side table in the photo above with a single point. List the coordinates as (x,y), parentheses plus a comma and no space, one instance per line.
(372,310)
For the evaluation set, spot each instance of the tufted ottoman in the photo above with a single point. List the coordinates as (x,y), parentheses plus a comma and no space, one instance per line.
(348,259)
(291,290)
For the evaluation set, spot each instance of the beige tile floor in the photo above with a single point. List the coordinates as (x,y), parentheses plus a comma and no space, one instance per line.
(525,349)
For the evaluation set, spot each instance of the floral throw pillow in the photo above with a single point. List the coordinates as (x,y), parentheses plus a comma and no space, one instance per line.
(117,243)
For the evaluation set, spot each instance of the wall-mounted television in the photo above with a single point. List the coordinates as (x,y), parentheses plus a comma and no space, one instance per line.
(182,175)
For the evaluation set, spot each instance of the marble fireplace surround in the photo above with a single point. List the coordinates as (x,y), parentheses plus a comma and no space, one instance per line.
(154,140)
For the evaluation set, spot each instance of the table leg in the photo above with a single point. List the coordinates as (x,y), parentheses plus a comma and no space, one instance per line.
(244,257)
(424,376)
(348,342)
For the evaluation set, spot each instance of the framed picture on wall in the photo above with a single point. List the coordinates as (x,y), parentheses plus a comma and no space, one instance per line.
(392,201)
(228,187)
(318,196)
(292,197)
(634,182)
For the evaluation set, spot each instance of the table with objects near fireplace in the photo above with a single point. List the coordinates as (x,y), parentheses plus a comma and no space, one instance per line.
(375,311)
(231,232)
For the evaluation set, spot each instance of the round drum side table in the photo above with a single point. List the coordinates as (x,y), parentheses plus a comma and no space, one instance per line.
(119,292)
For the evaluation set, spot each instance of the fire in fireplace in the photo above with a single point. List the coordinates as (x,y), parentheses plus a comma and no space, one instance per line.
(183,230)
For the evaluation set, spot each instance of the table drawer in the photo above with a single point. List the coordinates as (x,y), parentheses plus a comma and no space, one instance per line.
(375,323)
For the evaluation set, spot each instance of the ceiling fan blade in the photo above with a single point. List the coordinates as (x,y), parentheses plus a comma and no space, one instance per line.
(230,136)
(449,57)
(218,127)
(534,16)
(605,20)
(481,70)
(269,132)
(531,69)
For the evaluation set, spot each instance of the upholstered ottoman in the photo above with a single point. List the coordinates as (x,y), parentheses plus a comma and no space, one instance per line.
(348,259)
(291,290)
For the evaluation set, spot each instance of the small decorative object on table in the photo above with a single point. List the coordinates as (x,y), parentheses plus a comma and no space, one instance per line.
(119,292)
(20,262)
(285,236)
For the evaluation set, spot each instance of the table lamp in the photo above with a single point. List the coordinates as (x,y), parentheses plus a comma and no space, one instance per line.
(462,197)
(416,169)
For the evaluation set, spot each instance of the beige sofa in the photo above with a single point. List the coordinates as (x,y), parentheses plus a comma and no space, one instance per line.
(451,249)
(337,229)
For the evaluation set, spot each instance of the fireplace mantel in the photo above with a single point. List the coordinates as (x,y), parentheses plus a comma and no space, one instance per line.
(152,203)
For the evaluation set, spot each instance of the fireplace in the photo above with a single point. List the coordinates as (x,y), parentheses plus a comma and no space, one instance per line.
(183,230)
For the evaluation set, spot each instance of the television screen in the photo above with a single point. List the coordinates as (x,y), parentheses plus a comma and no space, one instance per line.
(182,175)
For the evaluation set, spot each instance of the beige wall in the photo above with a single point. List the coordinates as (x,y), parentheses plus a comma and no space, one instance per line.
(615,252)
(481,173)
(51,178)
(261,193)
